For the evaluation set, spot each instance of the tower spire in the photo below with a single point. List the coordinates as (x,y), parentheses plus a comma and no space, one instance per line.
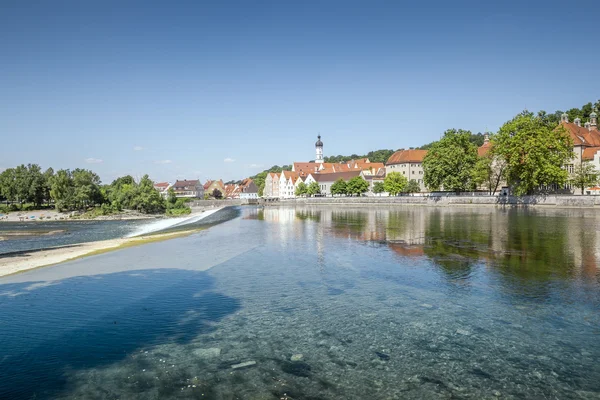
(319,150)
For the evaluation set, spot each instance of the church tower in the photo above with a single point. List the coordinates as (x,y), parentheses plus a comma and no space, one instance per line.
(319,150)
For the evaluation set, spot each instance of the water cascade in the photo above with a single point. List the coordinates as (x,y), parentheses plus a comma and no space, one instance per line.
(171,223)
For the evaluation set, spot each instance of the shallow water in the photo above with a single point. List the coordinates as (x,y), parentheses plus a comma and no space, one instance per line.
(382,304)
(37,235)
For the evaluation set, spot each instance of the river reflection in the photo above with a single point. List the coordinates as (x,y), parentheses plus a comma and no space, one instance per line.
(524,246)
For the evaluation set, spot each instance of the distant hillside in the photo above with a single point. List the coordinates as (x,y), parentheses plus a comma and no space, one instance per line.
(380,156)
(259,179)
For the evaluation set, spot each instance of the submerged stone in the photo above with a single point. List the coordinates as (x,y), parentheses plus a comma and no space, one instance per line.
(297,368)
(243,365)
(383,356)
(297,357)
(207,353)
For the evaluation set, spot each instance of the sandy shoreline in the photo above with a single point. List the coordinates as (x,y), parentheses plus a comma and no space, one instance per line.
(53,215)
(13,263)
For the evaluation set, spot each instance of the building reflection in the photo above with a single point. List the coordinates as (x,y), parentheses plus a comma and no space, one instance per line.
(519,247)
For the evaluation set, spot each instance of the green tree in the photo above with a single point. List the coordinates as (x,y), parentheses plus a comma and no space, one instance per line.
(171,197)
(394,183)
(489,172)
(87,188)
(357,186)
(147,199)
(584,175)
(338,187)
(8,185)
(301,189)
(62,190)
(535,154)
(450,161)
(313,189)
(412,187)
(378,187)
(216,193)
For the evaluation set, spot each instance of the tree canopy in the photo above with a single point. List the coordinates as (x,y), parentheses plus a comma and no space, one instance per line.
(357,186)
(412,187)
(313,189)
(301,189)
(449,163)
(394,183)
(338,187)
(584,175)
(535,153)
(378,187)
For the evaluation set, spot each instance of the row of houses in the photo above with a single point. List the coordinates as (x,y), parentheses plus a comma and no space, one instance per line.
(586,148)
(246,189)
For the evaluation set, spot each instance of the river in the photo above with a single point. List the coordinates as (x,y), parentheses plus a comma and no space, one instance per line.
(319,303)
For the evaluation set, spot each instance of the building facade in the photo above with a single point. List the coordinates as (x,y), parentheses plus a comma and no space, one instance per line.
(191,189)
(408,163)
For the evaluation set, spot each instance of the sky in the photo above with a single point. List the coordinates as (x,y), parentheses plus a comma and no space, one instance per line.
(224,89)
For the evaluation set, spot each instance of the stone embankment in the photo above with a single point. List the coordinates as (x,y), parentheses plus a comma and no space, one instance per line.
(558,201)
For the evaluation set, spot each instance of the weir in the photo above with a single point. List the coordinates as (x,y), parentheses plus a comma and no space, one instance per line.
(171,223)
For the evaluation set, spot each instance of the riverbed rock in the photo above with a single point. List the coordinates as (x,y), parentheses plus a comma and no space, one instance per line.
(211,352)
(245,364)
(297,357)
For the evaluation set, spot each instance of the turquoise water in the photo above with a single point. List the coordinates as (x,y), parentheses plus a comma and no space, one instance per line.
(380,304)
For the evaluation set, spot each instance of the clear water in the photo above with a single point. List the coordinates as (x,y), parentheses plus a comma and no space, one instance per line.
(382,304)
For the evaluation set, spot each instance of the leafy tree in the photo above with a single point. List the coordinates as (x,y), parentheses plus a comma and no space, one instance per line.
(301,189)
(62,190)
(489,172)
(412,187)
(357,186)
(8,184)
(313,189)
(216,193)
(450,161)
(171,197)
(584,175)
(87,188)
(378,187)
(147,199)
(394,183)
(535,154)
(338,187)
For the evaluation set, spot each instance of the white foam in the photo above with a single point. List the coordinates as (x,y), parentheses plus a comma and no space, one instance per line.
(169,223)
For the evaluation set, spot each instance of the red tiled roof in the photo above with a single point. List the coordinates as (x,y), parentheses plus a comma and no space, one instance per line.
(588,153)
(161,185)
(581,135)
(407,156)
(484,149)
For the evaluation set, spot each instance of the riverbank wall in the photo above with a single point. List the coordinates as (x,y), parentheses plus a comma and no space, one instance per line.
(558,201)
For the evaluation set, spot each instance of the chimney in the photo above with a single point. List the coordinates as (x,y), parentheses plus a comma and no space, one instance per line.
(587,126)
(564,118)
(577,121)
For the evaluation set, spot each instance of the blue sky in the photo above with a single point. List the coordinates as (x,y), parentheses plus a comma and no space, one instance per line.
(225,89)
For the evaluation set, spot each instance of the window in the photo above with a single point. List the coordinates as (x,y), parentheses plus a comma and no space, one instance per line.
(413,172)
(403,172)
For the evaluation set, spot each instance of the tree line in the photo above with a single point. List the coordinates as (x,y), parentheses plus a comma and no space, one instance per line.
(27,187)
(529,153)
